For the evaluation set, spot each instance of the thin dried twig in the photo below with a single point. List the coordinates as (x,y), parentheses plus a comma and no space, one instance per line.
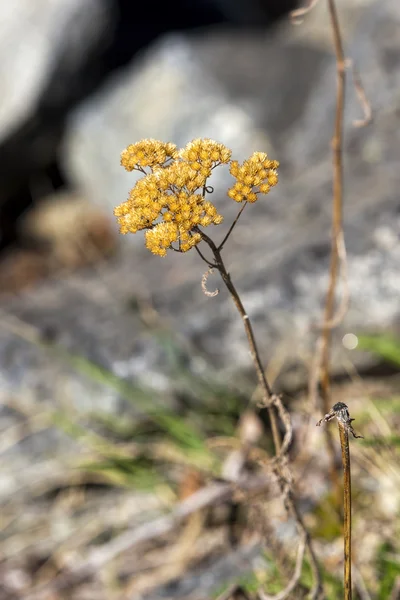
(208,262)
(265,387)
(338,265)
(345,299)
(321,363)
(337,208)
(231,228)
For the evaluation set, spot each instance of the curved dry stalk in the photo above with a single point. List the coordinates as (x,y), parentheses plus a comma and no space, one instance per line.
(321,363)
(337,318)
(338,252)
(204,284)
(338,263)
(284,594)
(337,206)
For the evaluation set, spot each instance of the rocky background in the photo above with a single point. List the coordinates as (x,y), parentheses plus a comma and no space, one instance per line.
(82,80)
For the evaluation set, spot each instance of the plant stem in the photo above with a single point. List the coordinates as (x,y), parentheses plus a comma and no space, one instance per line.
(337,206)
(231,228)
(267,397)
(344,443)
(340,411)
(337,232)
(267,392)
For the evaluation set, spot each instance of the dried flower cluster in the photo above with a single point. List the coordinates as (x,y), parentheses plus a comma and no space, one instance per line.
(170,200)
(256,174)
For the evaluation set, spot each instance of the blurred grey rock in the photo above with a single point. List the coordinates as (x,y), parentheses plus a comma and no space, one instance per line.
(55,53)
(252,92)
(39,41)
(275,93)
(45,48)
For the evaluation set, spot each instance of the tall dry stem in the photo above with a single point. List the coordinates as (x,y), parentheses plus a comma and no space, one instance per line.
(340,411)
(271,401)
(337,230)
(344,443)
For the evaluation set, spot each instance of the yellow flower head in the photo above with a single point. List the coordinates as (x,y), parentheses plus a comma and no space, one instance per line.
(170,199)
(206,152)
(147,153)
(160,237)
(256,175)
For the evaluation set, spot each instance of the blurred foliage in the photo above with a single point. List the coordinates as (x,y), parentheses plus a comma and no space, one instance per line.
(206,409)
(388,568)
(328,524)
(333,585)
(386,347)
(150,447)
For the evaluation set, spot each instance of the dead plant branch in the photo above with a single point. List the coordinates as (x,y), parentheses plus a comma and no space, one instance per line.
(272,403)
(265,387)
(345,299)
(340,411)
(337,206)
